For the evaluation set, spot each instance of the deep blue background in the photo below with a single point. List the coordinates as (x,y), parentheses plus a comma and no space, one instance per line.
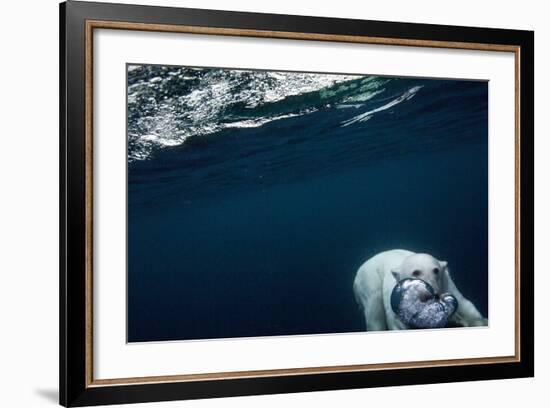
(258,232)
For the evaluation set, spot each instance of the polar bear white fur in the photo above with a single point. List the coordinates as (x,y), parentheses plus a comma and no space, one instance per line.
(377,277)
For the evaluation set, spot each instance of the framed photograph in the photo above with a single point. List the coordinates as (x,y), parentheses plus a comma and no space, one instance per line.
(256,203)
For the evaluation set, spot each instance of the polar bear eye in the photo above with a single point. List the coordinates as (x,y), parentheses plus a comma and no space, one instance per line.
(436,271)
(416,273)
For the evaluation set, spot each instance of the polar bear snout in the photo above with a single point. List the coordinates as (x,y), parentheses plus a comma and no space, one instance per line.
(435,284)
(422,266)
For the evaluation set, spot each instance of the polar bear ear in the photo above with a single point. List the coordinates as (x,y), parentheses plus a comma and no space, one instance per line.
(396,275)
(443,265)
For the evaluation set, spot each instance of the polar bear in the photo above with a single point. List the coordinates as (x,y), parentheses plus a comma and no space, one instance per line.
(377,277)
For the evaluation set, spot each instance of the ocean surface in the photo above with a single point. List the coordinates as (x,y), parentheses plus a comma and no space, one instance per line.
(254,196)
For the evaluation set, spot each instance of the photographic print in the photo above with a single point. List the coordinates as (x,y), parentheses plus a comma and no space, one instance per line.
(271,203)
(251,202)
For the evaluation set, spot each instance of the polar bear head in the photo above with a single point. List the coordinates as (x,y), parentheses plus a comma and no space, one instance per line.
(422,266)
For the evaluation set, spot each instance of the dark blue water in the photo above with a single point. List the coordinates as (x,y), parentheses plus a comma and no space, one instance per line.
(252,220)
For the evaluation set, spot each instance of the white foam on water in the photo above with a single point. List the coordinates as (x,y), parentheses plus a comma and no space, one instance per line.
(409,94)
(170,120)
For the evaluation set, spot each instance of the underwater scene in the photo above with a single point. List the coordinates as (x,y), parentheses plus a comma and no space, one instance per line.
(269,203)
